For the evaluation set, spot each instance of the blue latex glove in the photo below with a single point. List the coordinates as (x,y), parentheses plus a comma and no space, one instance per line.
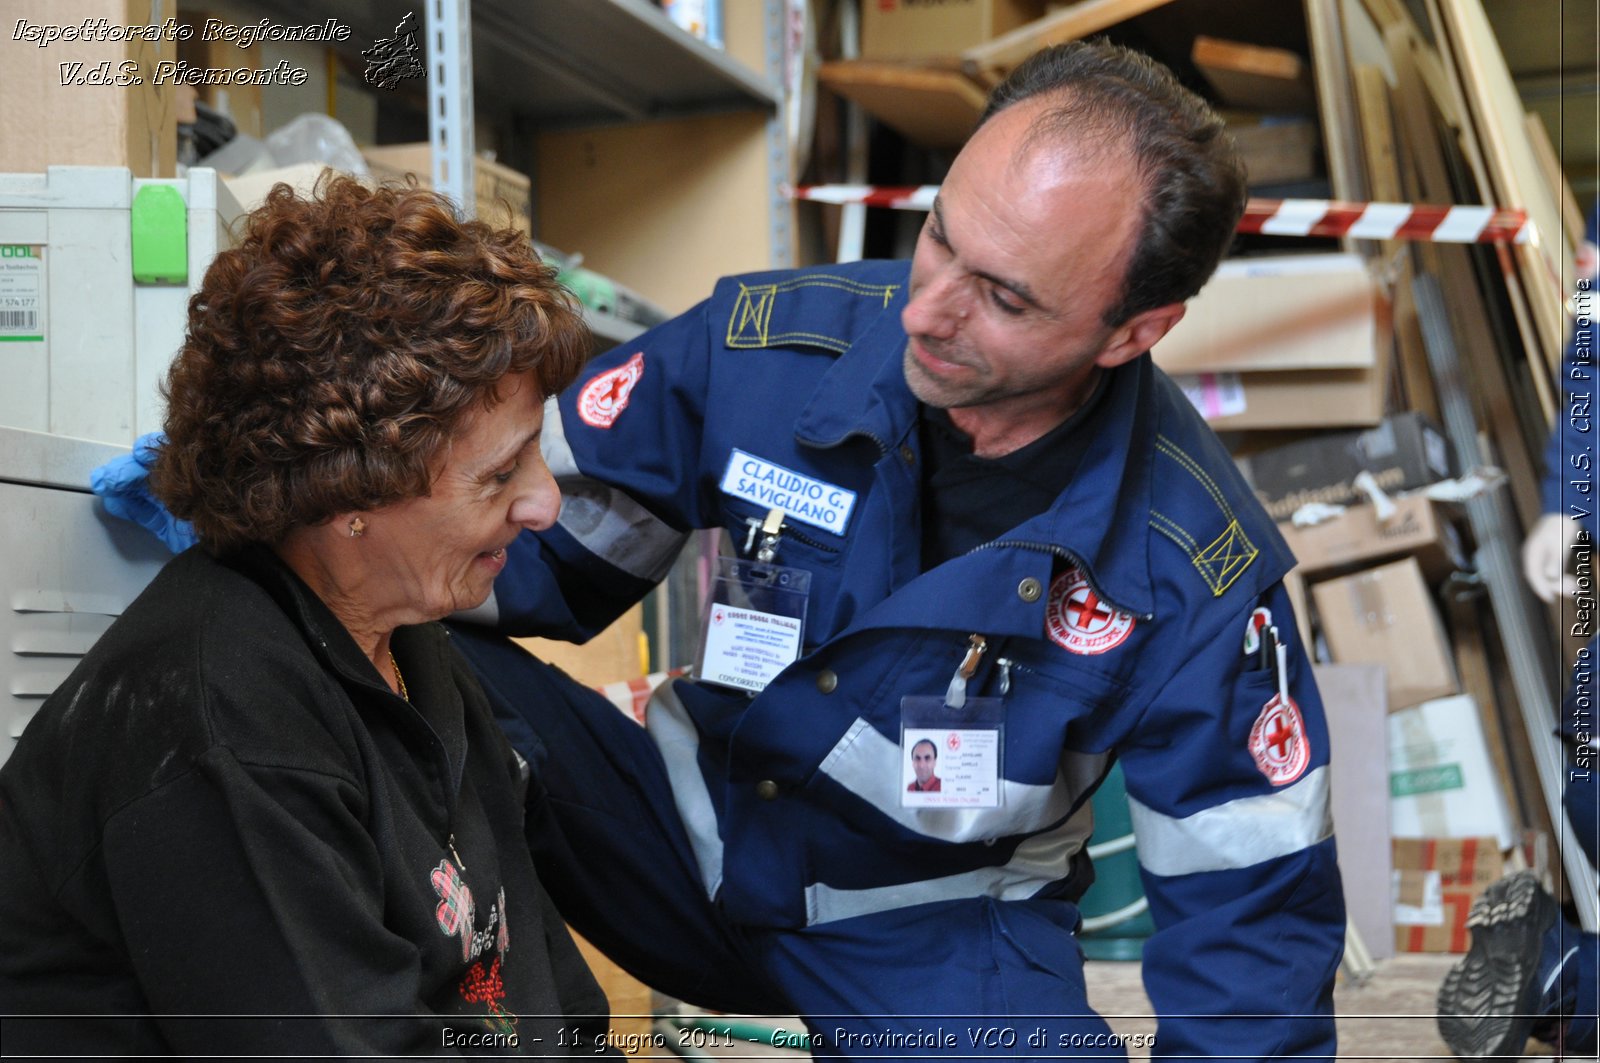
(124,484)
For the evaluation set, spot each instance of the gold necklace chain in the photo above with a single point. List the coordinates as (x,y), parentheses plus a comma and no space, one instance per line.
(400,680)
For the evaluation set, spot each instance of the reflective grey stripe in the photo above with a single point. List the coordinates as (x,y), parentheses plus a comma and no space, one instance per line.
(606,521)
(867,764)
(1238,834)
(674,734)
(1038,861)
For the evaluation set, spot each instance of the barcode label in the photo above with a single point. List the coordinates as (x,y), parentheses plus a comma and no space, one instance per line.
(19,319)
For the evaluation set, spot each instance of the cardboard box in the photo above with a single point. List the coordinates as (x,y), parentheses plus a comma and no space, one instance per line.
(1441,781)
(1276,151)
(1357,709)
(1435,882)
(1405,451)
(90,120)
(502,193)
(617,653)
(1289,341)
(1309,398)
(1418,527)
(241,103)
(1384,616)
(918,29)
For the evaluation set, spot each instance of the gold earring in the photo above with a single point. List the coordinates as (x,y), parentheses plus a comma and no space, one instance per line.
(358,527)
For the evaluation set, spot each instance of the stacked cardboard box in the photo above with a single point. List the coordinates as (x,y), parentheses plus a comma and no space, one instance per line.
(1369,577)
(1435,882)
(1289,341)
(918,29)
(502,193)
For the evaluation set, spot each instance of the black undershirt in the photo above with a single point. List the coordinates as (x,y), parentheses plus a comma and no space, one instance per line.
(968,501)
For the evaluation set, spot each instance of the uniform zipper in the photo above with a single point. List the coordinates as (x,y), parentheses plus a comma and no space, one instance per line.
(789,532)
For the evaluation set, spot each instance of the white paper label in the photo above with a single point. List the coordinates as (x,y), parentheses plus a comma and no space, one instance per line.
(1430,912)
(21,293)
(747,648)
(1213,394)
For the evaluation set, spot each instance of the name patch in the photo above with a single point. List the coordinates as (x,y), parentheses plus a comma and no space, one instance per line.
(814,502)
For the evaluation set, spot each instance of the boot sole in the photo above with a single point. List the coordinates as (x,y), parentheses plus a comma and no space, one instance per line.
(1487,1004)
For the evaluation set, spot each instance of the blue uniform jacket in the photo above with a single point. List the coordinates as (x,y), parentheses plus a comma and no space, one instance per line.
(1115,623)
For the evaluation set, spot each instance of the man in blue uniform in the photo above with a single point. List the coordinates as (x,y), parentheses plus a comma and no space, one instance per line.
(965,506)
(1530,972)
(966,509)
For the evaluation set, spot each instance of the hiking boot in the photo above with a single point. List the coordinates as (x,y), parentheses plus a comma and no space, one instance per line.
(1490,1002)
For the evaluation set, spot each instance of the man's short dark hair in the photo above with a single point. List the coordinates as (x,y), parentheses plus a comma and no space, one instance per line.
(1193,181)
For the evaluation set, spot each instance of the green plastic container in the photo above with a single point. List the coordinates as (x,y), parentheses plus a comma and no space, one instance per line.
(1116,916)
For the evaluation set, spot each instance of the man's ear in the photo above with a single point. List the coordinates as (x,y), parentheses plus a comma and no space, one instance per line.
(1138,334)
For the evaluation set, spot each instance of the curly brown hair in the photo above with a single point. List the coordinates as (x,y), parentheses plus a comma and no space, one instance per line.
(331,355)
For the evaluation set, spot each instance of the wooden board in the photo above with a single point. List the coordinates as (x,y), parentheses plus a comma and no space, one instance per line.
(1496,115)
(1335,99)
(1082,19)
(1550,166)
(1383,177)
(1386,13)
(1455,97)
(1248,75)
(1428,180)
(933,107)
(1276,152)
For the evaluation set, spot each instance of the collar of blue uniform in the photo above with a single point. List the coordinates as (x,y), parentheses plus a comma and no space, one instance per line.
(1103,518)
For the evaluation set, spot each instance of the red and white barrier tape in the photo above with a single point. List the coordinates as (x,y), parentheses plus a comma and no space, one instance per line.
(1273,217)
(1385,221)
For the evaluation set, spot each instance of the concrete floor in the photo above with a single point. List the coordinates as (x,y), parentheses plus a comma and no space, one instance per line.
(1390,1019)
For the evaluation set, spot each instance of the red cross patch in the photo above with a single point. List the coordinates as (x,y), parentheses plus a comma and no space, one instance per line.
(1278,741)
(1077,620)
(604,398)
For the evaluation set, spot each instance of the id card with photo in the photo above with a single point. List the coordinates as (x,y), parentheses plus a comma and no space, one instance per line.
(950,758)
(754,623)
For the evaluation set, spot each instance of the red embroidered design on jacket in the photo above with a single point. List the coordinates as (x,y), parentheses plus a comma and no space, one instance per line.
(455,911)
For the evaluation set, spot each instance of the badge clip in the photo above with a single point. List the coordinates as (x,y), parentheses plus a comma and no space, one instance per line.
(956,695)
(771,530)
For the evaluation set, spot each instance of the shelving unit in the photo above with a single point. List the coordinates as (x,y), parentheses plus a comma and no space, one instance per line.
(569,63)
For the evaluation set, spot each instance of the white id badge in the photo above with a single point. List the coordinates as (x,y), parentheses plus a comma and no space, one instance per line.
(753,625)
(950,758)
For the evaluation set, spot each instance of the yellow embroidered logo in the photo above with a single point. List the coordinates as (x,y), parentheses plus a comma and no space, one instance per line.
(1230,554)
(752,313)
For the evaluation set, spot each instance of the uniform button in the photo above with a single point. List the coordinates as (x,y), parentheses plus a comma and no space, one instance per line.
(766,789)
(908,455)
(827,680)
(1029,590)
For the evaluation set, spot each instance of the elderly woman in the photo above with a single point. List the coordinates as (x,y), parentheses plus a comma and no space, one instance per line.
(270,811)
